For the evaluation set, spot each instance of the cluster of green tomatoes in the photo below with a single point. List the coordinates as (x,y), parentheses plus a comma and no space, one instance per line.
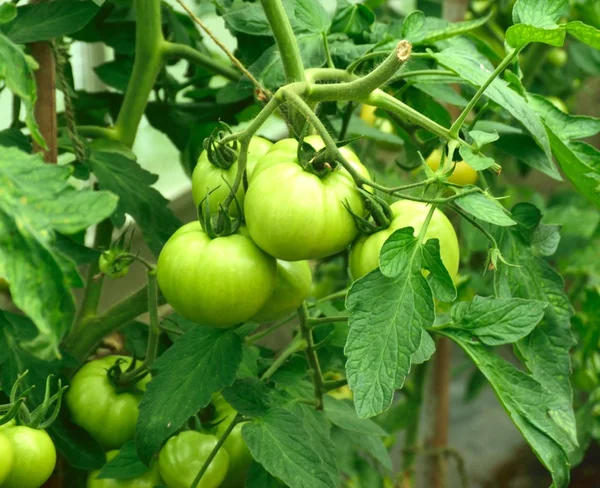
(292,215)
(109,414)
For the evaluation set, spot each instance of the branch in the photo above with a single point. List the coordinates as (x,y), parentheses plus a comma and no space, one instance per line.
(173,50)
(311,356)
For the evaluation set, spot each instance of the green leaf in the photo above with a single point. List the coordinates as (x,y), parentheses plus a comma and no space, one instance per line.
(49,20)
(468,68)
(290,448)
(127,179)
(440,89)
(527,403)
(125,465)
(481,138)
(413,28)
(311,16)
(368,444)
(16,69)
(259,477)
(13,137)
(341,414)
(438,29)
(486,208)
(353,20)
(585,33)
(580,162)
(8,12)
(496,321)
(439,279)
(519,35)
(387,317)
(425,351)
(116,73)
(477,160)
(358,127)
(199,363)
(249,397)
(539,13)
(248,18)
(36,201)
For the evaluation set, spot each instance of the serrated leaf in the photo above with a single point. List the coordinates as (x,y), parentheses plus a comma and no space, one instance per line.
(341,414)
(353,20)
(259,477)
(481,138)
(527,404)
(485,208)
(281,442)
(413,27)
(199,363)
(496,321)
(439,279)
(370,445)
(16,69)
(519,35)
(249,397)
(127,179)
(125,465)
(499,91)
(539,13)
(476,160)
(311,16)
(438,30)
(425,351)
(49,20)
(387,317)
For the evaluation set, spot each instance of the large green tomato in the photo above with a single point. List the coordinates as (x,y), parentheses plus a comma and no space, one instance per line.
(364,255)
(239,455)
(294,214)
(208,178)
(34,456)
(217,282)
(149,479)
(96,405)
(7,457)
(182,457)
(294,281)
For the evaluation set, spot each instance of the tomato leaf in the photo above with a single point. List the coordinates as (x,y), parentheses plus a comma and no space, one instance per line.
(439,279)
(438,29)
(496,321)
(471,70)
(199,363)
(259,477)
(49,20)
(486,208)
(528,404)
(585,33)
(249,397)
(544,13)
(125,465)
(126,178)
(341,414)
(413,27)
(311,16)
(388,310)
(8,12)
(352,19)
(425,351)
(294,446)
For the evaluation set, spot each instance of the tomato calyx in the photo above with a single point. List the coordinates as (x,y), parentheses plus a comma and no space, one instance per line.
(126,381)
(221,223)
(42,416)
(379,211)
(220,154)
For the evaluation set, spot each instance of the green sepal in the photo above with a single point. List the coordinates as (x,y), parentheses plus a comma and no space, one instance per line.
(219,154)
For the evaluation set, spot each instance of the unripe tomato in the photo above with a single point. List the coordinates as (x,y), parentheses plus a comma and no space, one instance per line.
(208,177)
(367,113)
(96,405)
(341,393)
(34,456)
(149,479)
(557,57)
(294,214)
(6,457)
(182,457)
(294,281)
(364,254)
(217,282)
(463,174)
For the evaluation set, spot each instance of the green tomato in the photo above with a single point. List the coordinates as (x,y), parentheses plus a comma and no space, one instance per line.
(364,255)
(149,479)
(239,455)
(208,178)
(293,214)
(111,266)
(96,405)
(182,457)
(294,281)
(216,282)
(34,456)
(7,458)
(557,57)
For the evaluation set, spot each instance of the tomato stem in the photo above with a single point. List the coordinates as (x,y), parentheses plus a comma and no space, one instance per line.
(315,322)
(311,356)
(182,51)
(297,344)
(269,330)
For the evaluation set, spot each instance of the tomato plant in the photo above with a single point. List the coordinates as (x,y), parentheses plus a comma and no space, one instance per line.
(97,405)
(182,457)
(248,249)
